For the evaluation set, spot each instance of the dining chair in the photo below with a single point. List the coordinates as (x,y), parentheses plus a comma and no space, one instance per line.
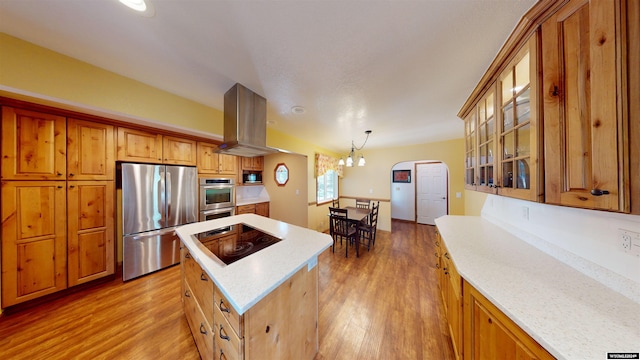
(363,203)
(341,227)
(367,232)
(336,203)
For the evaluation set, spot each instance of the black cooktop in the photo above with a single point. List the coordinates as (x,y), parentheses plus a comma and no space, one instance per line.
(234,242)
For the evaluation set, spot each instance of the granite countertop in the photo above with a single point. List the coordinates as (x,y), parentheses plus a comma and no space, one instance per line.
(248,280)
(570,314)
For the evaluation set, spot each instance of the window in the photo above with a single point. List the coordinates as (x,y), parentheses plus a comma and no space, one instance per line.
(327,187)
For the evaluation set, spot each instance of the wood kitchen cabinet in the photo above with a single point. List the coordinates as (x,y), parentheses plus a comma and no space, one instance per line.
(502,132)
(283,325)
(178,151)
(490,334)
(210,162)
(451,291)
(33,145)
(152,147)
(138,145)
(480,142)
(259,209)
(90,150)
(91,238)
(519,127)
(586,162)
(34,244)
(255,163)
(197,298)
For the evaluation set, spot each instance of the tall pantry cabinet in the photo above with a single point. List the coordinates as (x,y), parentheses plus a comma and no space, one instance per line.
(57,203)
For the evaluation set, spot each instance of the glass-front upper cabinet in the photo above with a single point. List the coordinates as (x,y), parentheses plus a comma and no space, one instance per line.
(518,127)
(486,143)
(470,151)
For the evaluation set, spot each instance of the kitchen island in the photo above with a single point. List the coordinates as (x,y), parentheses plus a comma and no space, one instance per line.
(264,305)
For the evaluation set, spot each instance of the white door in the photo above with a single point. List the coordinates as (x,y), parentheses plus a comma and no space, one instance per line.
(431,192)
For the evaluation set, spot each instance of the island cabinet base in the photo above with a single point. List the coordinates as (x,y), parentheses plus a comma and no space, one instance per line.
(282,325)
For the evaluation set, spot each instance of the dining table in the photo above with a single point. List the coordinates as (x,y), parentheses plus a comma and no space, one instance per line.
(355,214)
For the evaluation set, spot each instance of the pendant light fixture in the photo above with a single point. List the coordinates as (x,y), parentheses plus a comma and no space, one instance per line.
(361,161)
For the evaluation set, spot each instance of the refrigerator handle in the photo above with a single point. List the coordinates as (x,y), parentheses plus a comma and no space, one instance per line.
(162,208)
(168,194)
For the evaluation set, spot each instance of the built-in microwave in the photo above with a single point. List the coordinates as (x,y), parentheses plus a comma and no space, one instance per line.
(217,193)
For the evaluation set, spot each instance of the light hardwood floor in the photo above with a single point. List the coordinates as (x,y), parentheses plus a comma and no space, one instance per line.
(383,305)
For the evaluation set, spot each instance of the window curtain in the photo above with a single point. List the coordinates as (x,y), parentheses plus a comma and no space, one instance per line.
(325,163)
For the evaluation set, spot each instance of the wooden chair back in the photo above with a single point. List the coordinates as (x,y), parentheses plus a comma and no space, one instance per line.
(363,203)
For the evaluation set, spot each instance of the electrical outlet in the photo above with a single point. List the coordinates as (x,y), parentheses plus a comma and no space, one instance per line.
(629,241)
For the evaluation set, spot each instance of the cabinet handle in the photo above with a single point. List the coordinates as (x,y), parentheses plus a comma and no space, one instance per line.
(446,271)
(186,293)
(437,266)
(71,186)
(223,337)
(70,174)
(555,91)
(59,187)
(222,307)
(188,256)
(203,330)
(222,355)
(59,174)
(436,254)
(447,255)
(203,277)
(598,192)
(438,243)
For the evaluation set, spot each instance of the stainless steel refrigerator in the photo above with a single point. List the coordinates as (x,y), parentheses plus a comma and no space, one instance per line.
(155,199)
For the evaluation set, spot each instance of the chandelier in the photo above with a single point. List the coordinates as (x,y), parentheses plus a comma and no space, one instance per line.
(361,160)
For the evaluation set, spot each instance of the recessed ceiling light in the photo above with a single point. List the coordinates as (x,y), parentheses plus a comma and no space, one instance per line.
(143,7)
(297,110)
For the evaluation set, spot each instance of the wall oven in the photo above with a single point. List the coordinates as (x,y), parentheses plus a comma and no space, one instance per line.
(216,213)
(217,193)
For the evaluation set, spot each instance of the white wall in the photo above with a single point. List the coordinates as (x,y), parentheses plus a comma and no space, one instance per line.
(587,240)
(403,195)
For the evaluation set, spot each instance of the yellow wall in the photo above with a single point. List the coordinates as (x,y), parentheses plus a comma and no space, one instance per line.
(31,68)
(288,202)
(374,179)
(473,203)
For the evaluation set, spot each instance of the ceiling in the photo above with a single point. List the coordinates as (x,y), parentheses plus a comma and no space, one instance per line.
(400,68)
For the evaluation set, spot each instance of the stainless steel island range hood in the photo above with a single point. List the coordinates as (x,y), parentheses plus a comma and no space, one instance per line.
(245,123)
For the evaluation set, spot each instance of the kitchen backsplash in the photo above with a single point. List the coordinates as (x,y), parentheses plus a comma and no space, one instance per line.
(587,240)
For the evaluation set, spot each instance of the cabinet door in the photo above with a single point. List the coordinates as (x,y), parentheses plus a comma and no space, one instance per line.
(470,151)
(91,246)
(90,150)
(137,145)
(178,151)
(262,209)
(519,128)
(34,245)
(33,145)
(581,92)
(489,334)
(228,164)
(486,170)
(207,158)
(253,163)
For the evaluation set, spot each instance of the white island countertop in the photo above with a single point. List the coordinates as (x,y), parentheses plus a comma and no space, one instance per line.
(248,280)
(570,314)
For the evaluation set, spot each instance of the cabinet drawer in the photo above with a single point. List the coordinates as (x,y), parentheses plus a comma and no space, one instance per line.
(201,286)
(229,345)
(228,312)
(203,333)
(246,209)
